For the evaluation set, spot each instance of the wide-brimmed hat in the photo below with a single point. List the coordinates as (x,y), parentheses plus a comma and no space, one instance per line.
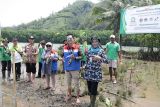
(49,43)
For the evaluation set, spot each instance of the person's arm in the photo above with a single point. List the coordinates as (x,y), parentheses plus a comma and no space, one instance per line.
(43,55)
(104,57)
(119,53)
(55,57)
(36,51)
(79,55)
(24,51)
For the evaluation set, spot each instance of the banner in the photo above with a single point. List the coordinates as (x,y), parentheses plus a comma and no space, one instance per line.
(140,20)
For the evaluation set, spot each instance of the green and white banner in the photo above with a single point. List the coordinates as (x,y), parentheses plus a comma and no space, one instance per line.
(140,20)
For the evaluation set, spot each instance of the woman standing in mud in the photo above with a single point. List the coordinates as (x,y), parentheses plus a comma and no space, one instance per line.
(50,58)
(93,73)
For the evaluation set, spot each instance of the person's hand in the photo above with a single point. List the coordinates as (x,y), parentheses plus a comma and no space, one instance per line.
(55,59)
(61,59)
(86,51)
(120,61)
(96,58)
(43,76)
(72,57)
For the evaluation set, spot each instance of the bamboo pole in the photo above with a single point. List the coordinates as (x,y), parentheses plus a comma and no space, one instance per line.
(14,80)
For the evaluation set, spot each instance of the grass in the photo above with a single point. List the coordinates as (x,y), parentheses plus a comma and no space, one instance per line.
(131,74)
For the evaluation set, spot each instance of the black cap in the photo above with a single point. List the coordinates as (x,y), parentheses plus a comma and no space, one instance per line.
(95,38)
(31,37)
(5,40)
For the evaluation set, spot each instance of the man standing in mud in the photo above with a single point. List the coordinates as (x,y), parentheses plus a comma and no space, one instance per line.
(17,50)
(72,56)
(113,52)
(5,60)
(31,56)
(40,52)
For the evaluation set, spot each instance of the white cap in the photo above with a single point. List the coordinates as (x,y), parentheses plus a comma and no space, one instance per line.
(112,36)
(69,37)
(49,43)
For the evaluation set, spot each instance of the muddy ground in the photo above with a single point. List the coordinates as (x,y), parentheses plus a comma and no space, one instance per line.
(138,86)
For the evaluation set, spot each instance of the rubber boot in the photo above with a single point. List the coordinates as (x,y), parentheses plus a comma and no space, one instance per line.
(93,100)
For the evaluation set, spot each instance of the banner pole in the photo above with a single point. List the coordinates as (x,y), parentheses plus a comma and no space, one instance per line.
(120,41)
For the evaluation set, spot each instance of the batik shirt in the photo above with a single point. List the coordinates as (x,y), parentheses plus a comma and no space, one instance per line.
(30,50)
(93,70)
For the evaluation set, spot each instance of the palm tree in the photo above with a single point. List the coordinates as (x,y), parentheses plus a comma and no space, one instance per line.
(109,10)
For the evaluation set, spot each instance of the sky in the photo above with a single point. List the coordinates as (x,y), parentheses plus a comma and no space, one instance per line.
(15,12)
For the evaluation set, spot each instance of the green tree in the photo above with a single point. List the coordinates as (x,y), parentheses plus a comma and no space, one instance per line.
(109,11)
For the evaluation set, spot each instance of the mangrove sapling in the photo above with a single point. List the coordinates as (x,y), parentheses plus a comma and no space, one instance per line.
(143,95)
(117,94)
(157,77)
(118,102)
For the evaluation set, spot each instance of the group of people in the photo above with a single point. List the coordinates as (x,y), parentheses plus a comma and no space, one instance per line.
(73,56)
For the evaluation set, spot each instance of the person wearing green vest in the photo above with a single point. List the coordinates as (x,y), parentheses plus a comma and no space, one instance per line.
(5,60)
(40,52)
(113,54)
(17,50)
(84,49)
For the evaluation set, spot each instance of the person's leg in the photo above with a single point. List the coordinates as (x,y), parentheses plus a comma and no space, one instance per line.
(114,70)
(89,90)
(89,86)
(4,65)
(94,86)
(47,77)
(33,68)
(75,76)
(53,81)
(110,69)
(18,70)
(28,72)
(39,70)
(68,83)
(110,73)
(9,69)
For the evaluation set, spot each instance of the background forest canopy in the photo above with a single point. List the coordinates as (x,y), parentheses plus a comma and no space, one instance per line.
(84,19)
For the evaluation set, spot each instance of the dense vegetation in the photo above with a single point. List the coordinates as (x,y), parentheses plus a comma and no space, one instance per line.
(85,19)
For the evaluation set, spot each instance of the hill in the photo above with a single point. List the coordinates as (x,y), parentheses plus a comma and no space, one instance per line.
(75,16)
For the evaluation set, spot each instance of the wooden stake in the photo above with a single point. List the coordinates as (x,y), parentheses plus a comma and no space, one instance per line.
(14,80)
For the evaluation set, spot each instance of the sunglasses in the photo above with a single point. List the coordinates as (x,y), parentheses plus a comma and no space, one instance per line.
(48,45)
